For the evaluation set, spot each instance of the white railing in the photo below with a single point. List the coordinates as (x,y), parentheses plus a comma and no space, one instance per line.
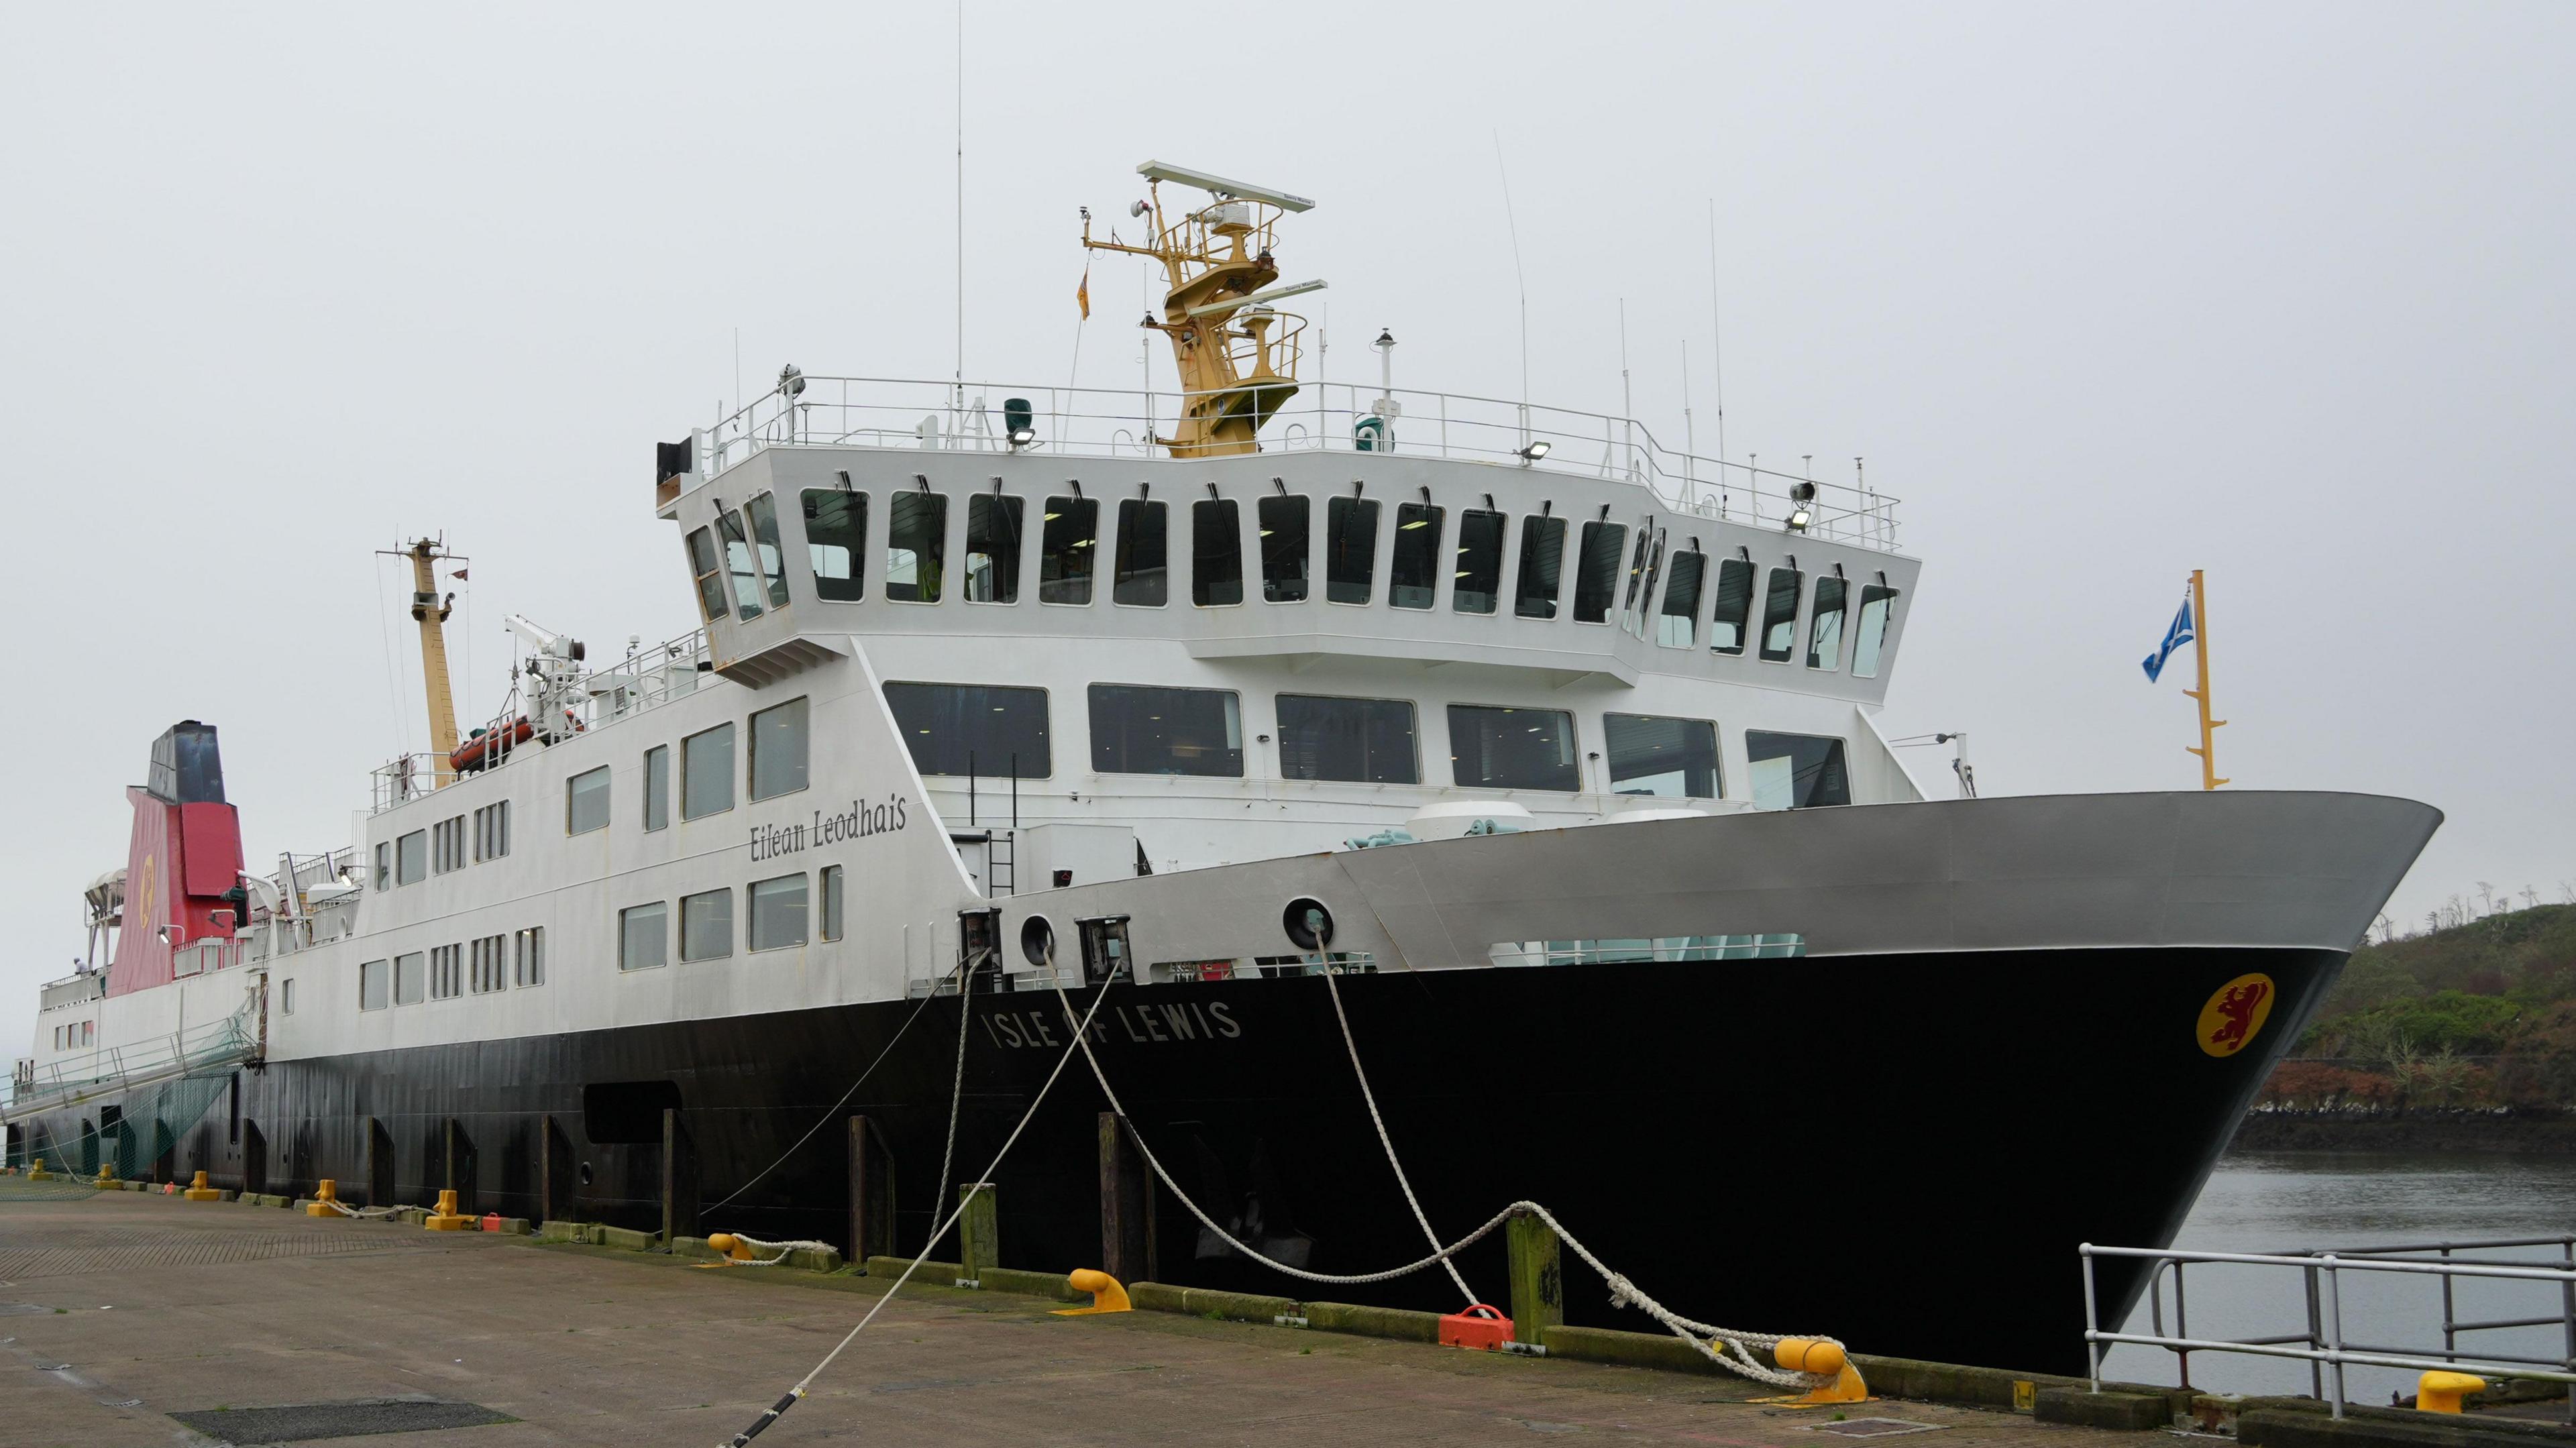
(108,1069)
(1335,417)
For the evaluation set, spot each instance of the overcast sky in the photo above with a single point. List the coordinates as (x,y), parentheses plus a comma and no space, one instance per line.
(2102,293)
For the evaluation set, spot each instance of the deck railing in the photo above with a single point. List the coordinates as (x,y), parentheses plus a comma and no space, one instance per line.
(110,1069)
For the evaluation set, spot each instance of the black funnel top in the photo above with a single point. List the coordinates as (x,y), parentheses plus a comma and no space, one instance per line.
(187,766)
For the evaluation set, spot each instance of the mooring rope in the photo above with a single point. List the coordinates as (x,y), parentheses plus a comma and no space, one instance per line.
(1387,1142)
(784,1250)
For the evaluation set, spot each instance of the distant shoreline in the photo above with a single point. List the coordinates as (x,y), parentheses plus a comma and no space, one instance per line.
(2412,1131)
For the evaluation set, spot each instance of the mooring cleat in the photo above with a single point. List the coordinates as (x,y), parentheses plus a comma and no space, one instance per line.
(326,1199)
(198,1191)
(1106,1294)
(445,1217)
(1823,1359)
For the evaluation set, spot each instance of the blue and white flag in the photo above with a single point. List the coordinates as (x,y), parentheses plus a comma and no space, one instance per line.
(2175,637)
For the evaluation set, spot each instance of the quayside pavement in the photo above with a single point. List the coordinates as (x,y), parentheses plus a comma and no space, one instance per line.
(118,1310)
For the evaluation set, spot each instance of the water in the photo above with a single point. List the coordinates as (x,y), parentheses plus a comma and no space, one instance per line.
(2271,1201)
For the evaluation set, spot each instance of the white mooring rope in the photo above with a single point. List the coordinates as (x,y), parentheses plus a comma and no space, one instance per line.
(783,1249)
(1384,1140)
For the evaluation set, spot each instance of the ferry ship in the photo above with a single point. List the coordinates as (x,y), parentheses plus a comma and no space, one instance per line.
(1554,749)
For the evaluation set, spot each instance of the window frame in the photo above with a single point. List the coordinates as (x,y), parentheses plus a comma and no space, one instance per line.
(1573,745)
(1797,605)
(1085,545)
(1887,594)
(1120,574)
(1502,554)
(419,977)
(751,751)
(1303,505)
(1751,572)
(1839,753)
(721,892)
(1610,755)
(662,936)
(1535,526)
(1016,516)
(743,584)
(607,785)
(1338,506)
(1046,705)
(411,865)
(1231,529)
(1585,557)
(1816,615)
(937,504)
(381,972)
(751,913)
(726,773)
(706,567)
(831,922)
(528,957)
(1091,705)
(768,553)
(826,584)
(1428,517)
(1413,736)
(1699,590)
(655,806)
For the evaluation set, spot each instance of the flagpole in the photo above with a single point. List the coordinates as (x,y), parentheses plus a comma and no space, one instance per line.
(2207,749)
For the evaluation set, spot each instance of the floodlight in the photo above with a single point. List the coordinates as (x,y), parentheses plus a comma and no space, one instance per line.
(1219,186)
(1537,449)
(1799,518)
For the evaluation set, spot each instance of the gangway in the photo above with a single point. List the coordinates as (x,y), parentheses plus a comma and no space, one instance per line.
(111,1071)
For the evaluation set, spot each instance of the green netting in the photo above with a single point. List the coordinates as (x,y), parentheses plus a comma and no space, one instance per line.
(154,1118)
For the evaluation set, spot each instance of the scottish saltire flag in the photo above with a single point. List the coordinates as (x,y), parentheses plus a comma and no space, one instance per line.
(2176,636)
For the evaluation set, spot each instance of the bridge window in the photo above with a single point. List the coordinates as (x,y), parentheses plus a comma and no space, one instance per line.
(411,858)
(710,575)
(1796,771)
(1367,741)
(1734,606)
(706,925)
(916,545)
(1825,626)
(1679,620)
(1480,561)
(586,801)
(992,549)
(778,913)
(1876,604)
(1136,729)
(706,773)
(1350,549)
(1780,615)
(375,985)
(1216,553)
(1284,540)
(761,513)
(1141,578)
(737,554)
(1643,570)
(1542,557)
(1069,550)
(1496,748)
(1596,575)
(991,730)
(657,787)
(1414,575)
(1676,758)
(410,976)
(836,543)
(644,936)
(778,752)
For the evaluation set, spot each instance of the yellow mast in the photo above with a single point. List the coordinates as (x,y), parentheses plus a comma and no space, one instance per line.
(2207,749)
(430,612)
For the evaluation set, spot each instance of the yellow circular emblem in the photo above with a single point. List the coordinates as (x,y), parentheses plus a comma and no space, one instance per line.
(2235,1014)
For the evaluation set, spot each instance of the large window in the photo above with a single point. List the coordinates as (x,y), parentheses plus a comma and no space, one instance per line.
(447,845)
(1350,549)
(916,545)
(1142,577)
(778,750)
(586,801)
(446,972)
(1825,625)
(1876,604)
(1796,771)
(1284,548)
(738,566)
(760,516)
(411,977)
(375,985)
(1069,550)
(1480,561)
(706,773)
(778,912)
(1542,556)
(1780,615)
(1216,553)
(1496,748)
(1365,740)
(836,543)
(486,968)
(1734,606)
(657,787)
(992,549)
(1677,625)
(1651,755)
(990,730)
(1413,575)
(1596,574)
(411,858)
(706,925)
(1140,730)
(709,571)
(644,936)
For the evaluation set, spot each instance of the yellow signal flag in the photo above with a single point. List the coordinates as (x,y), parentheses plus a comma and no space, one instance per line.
(1082,294)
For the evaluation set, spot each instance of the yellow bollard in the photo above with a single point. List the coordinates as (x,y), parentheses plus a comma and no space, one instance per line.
(445,1218)
(1824,1359)
(2440,1392)
(729,1247)
(106,1178)
(200,1192)
(1106,1294)
(326,1199)
(37,1173)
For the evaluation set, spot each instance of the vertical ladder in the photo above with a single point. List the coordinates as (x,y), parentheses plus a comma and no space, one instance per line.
(1000,854)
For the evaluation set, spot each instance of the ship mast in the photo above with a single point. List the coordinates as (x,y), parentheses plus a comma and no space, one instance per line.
(430,611)
(1237,356)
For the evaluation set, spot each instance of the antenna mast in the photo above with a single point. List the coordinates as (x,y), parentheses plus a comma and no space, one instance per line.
(2207,749)
(430,611)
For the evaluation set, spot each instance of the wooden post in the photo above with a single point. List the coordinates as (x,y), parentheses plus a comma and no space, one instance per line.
(462,1169)
(254,1146)
(1538,1288)
(380,1163)
(871,1192)
(555,1182)
(679,1179)
(1125,1214)
(979,1239)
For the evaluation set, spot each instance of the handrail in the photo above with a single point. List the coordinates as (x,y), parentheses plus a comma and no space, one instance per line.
(224,1041)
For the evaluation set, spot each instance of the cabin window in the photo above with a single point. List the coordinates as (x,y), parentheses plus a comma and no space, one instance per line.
(704,564)
(778,912)
(488,967)
(411,858)
(447,845)
(832,891)
(1796,771)
(706,925)
(1497,748)
(1734,606)
(1480,561)
(657,787)
(1141,578)
(1367,741)
(761,514)
(492,831)
(1216,553)
(778,750)
(1413,575)
(446,972)
(1877,603)
(1643,570)
(1678,622)
(836,542)
(1825,625)
(410,976)
(1542,556)
(1350,549)
(644,936)
(737,557)
(1676,758)
(992,549)
(286,996)
(1068,550)
(528,956)
(1780,615)
(1284,539)
(916,545)
(991,730)
(706,773)
(375,985)
(1136,729)
(384,864)
(586,801)
(1596,573)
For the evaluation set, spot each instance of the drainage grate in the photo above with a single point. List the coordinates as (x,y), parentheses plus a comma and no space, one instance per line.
(1874,1427)
(296,1422)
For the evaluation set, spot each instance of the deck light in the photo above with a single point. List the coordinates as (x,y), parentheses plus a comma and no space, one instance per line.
(1020,421)
(1537,449)
(1802,495)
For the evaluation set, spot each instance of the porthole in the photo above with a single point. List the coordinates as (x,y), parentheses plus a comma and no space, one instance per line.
(1308,923)
(1037,941)
(585,1173)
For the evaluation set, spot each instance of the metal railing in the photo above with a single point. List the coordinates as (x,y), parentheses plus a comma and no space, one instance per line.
(110,1069)
(2323,1345)
(1334,417)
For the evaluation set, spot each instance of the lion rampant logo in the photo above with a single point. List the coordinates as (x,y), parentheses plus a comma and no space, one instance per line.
(2237,1007)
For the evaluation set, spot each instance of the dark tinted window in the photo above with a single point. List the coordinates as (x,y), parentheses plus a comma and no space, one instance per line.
(1480,562)
(1877,604)
(710,576)
(1069,551)
(737,557)
(1350,549)
(836,540)
(1512,748)
(1734,605)
(992,549)
(1414,574)
(988,730)
(1542,554)
(1679,619)
(1596,577)
(1651,755)
(1825,626)
(1284,529)
(1142,577)
(1780,614)
(1366,740)
(1795,771)
(916,546)
(1216,553)
(1141,730)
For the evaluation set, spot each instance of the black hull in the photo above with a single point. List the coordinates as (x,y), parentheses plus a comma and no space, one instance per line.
(1902,1151)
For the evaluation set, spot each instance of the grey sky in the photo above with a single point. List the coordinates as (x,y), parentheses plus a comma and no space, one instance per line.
(2277,291)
